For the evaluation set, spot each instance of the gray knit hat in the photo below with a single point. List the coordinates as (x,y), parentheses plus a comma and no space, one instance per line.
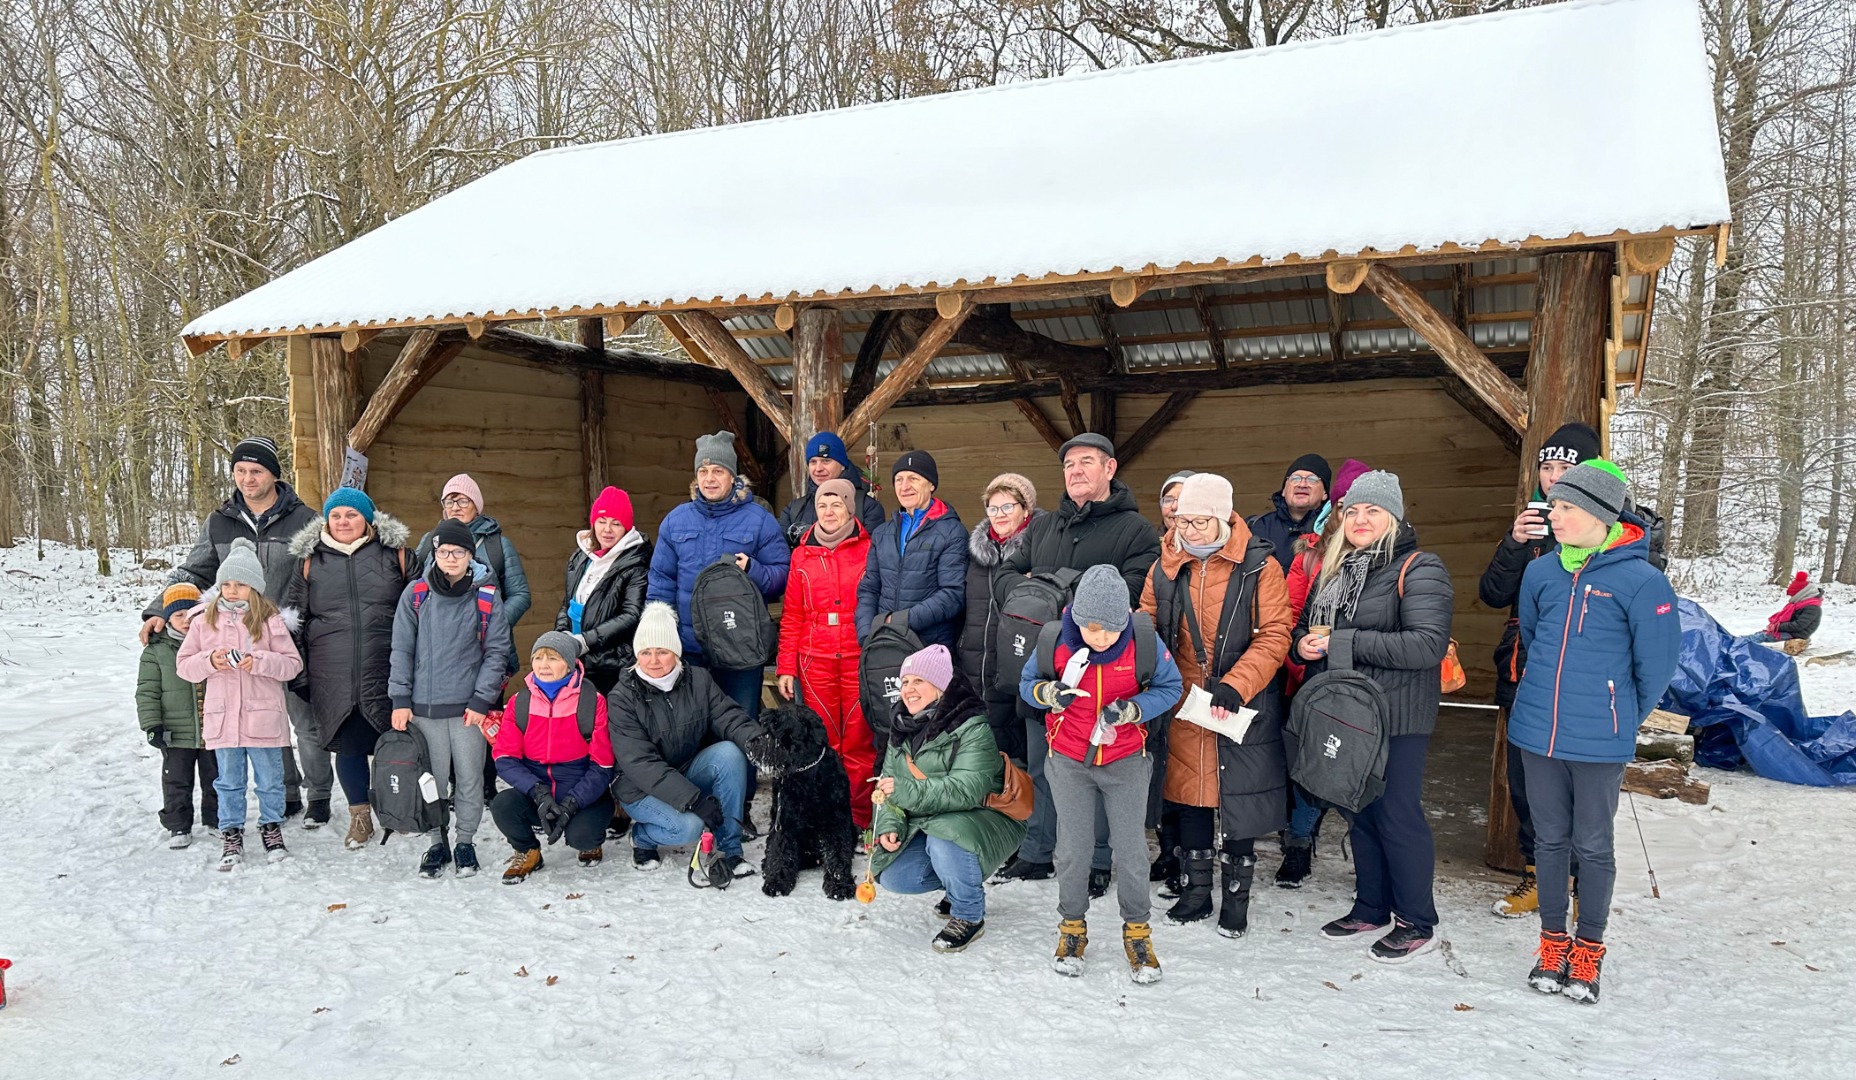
(1101,598)
(1597,487)
(241,565)
(1177,478)
(1377,488)
(561,642)
(717,449)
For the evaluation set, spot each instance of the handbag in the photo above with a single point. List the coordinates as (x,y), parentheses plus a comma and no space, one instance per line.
(1451,673)
(1016,796)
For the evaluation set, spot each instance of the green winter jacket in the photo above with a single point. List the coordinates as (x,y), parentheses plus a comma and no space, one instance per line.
(961,767)
(164,700)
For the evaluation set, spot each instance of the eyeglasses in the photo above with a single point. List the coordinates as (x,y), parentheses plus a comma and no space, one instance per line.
(1168,502)
(1001,509)
(1304,478)
(451,553)
(1200,524)
(457,500)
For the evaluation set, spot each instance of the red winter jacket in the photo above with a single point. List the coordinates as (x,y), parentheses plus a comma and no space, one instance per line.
(551,751)
(818,616)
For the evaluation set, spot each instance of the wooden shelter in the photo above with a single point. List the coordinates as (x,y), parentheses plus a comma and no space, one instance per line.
(1314,247)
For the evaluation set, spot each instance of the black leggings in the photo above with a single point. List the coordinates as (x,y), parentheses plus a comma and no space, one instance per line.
(1195,832)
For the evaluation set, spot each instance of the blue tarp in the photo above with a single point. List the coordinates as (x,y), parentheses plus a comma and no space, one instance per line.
(1744,701)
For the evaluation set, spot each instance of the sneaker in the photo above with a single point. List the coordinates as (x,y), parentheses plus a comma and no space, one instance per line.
(233,851)
(1403,944)
(360,827)
(1137,940)
(957,935)
(1072,942)
(521,865)
(592,858)
(466,857)
(738,867)
(180,838)
(645,858)
(1549,973)
(1347,927)
(1522,900)
(1298,861)
(1098,883)
(437,857)
(272,836)
(1020,869)
(1582,971)
(316,814)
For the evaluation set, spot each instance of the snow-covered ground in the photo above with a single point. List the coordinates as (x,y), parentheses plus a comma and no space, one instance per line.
(131,960)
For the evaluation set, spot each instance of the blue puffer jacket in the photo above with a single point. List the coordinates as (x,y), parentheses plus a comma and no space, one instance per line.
(927,579)
(698,533)
(1601,648)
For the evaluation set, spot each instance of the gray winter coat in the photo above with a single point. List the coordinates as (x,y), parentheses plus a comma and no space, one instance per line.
(655,735)
(442,665)
(347,604)
(271,531)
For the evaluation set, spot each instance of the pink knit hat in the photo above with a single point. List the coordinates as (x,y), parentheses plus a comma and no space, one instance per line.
(1350,470)
(612,503)
(462,484)
(933,665)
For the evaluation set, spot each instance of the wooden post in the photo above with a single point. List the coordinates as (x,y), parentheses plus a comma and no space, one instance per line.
(335,394)
(1565,370)
(1457,351)
(421,358)
(592,335)
(818,384)
(708,334)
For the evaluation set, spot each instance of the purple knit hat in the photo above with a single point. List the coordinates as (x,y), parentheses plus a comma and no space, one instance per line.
(933,664)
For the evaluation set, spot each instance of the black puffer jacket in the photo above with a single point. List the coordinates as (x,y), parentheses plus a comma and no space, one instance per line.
(346,631)
(655,735)
(1398,641)
(978,632)
(610,615)
(273,532)
(1076,538)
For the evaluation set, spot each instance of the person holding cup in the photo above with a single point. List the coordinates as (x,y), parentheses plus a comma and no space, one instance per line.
(1530,537)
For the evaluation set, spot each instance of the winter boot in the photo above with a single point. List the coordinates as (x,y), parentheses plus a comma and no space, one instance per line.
(1298,861)
(180,838)
(1234,911)
(360,827)
(466,858)
(436,858)
(521,865)
(316,814)
(1582,971)
(1021,869)
(1137,940)
(1549,974)
(591,858)
(644,858)
(233,852)
(1195,901)
(273,837)
(1166,867)
(1098,883)
(957,935)
(1522,900)
(1072,942)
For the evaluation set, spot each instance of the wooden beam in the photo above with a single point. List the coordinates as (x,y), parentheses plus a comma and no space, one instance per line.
(423,356)
(1040,423)
(1072,410)
(335,396)
(593,433)
(1460,392)
(1102,413)
(567,355)
(1144,435)
(949,304)
(1469,362)
(356,340)
(720,346)
(818,384)
(1126,290)
(1111,338)
(903,377)
(869,357)
(993,329)
(1337,324)
(783,318)
(751,465)
(1214,334)
(1645,256)
(1346,276)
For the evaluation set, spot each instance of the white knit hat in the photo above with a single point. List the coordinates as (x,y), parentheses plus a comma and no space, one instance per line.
(657,629)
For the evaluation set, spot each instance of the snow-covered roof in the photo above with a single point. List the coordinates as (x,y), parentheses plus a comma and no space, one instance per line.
(1578,120)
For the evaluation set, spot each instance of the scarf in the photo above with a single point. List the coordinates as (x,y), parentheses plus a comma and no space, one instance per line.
(601,562)
(348,548)
(177,635)
(444,586)
(668,682)
(1574,558)
(912,731)
(1203,551)
(830,540)
(997,539)
(551,687)
(1335,602)
(236,607)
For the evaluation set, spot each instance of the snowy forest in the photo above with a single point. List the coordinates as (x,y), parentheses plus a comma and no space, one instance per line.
(161,156)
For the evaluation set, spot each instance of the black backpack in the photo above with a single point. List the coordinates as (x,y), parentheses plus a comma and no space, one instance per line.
(730,619)
(586,712)
(879,672)
(1034,603)
(400,760)
(1337,736)
(1146,650)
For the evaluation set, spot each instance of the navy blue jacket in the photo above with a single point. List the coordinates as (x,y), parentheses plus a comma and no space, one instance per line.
(929,580)
(698,533)
(1601,644)
(1280,527)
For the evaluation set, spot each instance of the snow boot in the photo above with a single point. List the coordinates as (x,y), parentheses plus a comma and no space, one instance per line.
(1582,971)
(316,814)
(1195,901)
(1298,861)
(1549,973)
(1234,910)
(436,858)
(180,838)
(644,858)
(1522,900)
(1098,883)
(1022,869)
(272,836)
(521,865)
(466,857)
(233,852)
(1072,942)
(957,935)
(360,827)
(944,908)
(1137,940)
(592,858)
(1405,943)
(620,824)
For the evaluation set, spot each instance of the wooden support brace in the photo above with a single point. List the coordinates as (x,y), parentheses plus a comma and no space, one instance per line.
(1462,356)
(903,377)
(751,465)
(1102,413)
(335,394)
(713,339)
(869,355)
(1040,423)
(422,357)
(1072,408)
(1214,334)
(593,432)
(1143,436)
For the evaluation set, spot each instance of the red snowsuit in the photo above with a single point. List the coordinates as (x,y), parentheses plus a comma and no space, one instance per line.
(818,647)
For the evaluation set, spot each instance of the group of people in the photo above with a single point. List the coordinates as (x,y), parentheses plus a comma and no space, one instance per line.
(333,625)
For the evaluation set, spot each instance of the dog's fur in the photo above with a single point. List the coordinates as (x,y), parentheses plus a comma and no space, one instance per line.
(811,823)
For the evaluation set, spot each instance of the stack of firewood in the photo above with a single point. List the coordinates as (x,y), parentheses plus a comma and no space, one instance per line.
(1665,754)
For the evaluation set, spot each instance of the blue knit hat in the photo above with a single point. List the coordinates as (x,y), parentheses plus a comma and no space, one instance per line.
(826,444)
(353,499)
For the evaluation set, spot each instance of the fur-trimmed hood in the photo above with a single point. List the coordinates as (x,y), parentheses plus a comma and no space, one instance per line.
(981,548)
(293,619)
(389,531)
(743,492)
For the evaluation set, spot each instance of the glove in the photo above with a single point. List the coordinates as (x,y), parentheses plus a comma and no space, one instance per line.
(158,738)
(569,807)
(556,825)
(1122,712)
(1225,696)
(1054,695)
(709,811)
(545,806)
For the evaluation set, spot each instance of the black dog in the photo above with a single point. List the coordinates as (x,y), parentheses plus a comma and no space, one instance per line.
(811,823)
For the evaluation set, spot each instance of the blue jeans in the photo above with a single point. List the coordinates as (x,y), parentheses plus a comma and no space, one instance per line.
(1305,816)
(719,769)
(743,685)
(267,775)
(929,863)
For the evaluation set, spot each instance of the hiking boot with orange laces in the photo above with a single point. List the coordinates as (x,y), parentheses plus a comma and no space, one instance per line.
(1549,974)
(521,865)
(1523,899)
(1582,971)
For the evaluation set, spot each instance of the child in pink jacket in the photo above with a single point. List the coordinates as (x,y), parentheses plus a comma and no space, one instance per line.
(239,645)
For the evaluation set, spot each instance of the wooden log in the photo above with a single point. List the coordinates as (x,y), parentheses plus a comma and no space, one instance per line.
(1565,371)
(1663,745)
(1102,413)
(1072,408)
(591,334)
(1040,423)
(1214,334)
(1665,780)
(721,348)
(1469,362)
(1346,276)
(1126,290)
(1648,255)
(424,355)
(949,304)
(356,340)
(335,394)
(1501,845)
(903,377)
(1663,720)
(783,318)
(818,378)
(1143,436)
(994,330)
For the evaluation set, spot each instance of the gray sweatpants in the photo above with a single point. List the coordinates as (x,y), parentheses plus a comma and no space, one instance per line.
(1122,788)
(1574,803)
(458,752)
(317,775)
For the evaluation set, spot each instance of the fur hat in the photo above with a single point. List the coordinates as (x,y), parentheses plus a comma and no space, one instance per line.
(353,499)
(1205,495)
(933,664)
(561,642)
(717,449)
(241,565)
(1101,598)
(462,484)
(180,596)
(657,629)
(1020,488)
(1377,488)
(1597,487)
